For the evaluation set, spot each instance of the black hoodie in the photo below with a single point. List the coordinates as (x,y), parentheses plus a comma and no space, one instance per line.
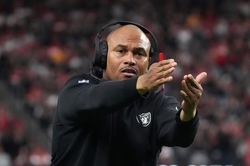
(108,123)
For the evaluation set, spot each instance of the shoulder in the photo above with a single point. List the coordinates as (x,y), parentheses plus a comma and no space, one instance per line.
(83,78)
(78,81)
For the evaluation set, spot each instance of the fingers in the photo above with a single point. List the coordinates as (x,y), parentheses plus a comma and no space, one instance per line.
(166,67)
(167,64)
(191,82)
(158,74)
(189,91)
(162,70)
(195,82)
(191,88)
(201,77)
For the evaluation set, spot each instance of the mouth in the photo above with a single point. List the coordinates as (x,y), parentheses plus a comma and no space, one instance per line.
(129,72)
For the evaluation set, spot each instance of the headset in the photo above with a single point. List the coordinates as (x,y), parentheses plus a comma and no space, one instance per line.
(101,47)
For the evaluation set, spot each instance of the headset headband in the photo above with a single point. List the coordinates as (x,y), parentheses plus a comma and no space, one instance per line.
(122,23)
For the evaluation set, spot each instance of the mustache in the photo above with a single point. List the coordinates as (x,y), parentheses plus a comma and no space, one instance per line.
(129,69)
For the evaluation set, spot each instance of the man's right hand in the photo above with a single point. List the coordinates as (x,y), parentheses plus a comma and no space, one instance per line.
(157,75)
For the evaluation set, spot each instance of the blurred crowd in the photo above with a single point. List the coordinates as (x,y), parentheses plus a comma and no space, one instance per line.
(43,43)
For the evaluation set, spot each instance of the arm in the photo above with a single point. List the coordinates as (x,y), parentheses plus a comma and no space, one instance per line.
(171,131)
(182,133)
(91,101)
(185,125)
(174,129)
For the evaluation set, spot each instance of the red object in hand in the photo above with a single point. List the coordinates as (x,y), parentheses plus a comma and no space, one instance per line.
(160,56)
(160,59)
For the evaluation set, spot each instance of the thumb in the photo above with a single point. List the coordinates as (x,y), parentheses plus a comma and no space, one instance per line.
(201,77)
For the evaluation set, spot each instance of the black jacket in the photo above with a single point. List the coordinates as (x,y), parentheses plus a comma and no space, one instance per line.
(108,123)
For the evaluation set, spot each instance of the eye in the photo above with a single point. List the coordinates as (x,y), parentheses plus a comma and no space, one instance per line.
(139,53)
(120,51)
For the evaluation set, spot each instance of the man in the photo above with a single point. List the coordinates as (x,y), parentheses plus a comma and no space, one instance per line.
(123,119)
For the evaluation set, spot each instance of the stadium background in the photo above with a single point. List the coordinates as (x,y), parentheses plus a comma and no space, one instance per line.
(42,43)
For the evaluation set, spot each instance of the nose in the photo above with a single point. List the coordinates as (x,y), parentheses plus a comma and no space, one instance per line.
(129,59)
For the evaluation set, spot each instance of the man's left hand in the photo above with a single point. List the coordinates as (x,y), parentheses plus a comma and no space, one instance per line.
(191,93)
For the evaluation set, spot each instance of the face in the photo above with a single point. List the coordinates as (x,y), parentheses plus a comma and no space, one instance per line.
(128,53)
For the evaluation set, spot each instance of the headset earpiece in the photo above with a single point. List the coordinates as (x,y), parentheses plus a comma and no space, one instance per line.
(103,49)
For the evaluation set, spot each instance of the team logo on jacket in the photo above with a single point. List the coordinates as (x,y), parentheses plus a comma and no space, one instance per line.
(144,119)
(83,81)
